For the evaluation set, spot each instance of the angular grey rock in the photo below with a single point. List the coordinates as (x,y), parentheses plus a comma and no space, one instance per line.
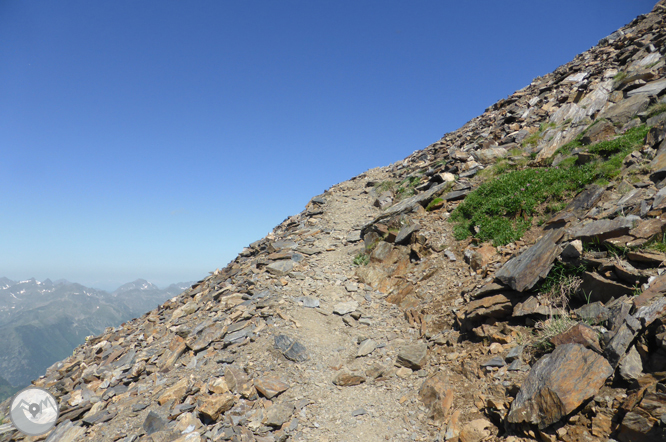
(603,229)
(384,200)
(153,423)
(522,272)
(343,308)
(366,347)
(309,302)
(291,349)
(496,361)
(594,312)
(573,250)
(280,268)
(626,109)
(413,356)
(631,366)
(278,414)
(354,236)
(653,88)
(557,384)
(515,353)
(597,288)
(491,154)
(405,233)
(203,334)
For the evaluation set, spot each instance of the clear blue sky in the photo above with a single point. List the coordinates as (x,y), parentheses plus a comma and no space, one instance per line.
(156,139)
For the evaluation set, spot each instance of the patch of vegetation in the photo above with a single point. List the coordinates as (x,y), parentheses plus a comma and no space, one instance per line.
(361,259)
(501,210)
(628,142)
(552,327)
(433,203)
(656,109)
(406,187)
(533,139)
(562,283)
(384,186)
(620,76)
(656,244)
(6,391)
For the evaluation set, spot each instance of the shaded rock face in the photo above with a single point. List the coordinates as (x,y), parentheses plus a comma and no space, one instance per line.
(558,384)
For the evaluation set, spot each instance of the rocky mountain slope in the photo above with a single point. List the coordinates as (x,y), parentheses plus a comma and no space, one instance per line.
(505,283)
(42,322)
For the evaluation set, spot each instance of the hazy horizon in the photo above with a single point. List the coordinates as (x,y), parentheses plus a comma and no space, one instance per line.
(110,286)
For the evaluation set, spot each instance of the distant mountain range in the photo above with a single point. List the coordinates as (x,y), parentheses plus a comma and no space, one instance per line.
(42,322)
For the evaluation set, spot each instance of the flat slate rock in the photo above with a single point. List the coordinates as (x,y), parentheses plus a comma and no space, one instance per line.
(656,288)
(270,386)
(343,308)
(652,88)
(522,272)
(494,306)
(202,336)
(291,349)
(558,384)
(280,268)
(497,361)
(602,229)
(366,347)
(625,110)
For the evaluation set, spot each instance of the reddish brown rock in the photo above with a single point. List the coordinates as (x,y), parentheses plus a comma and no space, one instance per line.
(578,334)
(270,387)
(603,130)
(648,228)
(654,259)
(176,392)
(557,384)
(347,379)
(437,396)
(496,306)
(645,422)
(215,405)
(656,288)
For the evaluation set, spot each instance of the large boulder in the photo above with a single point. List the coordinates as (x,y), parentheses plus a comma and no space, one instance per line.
(558,384)
(625,110)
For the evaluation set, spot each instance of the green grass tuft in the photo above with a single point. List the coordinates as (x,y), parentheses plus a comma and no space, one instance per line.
(433,203)
(533,139)
(656,109)
(361,259)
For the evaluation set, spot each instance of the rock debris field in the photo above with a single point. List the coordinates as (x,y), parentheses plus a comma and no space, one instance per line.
(506,283)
